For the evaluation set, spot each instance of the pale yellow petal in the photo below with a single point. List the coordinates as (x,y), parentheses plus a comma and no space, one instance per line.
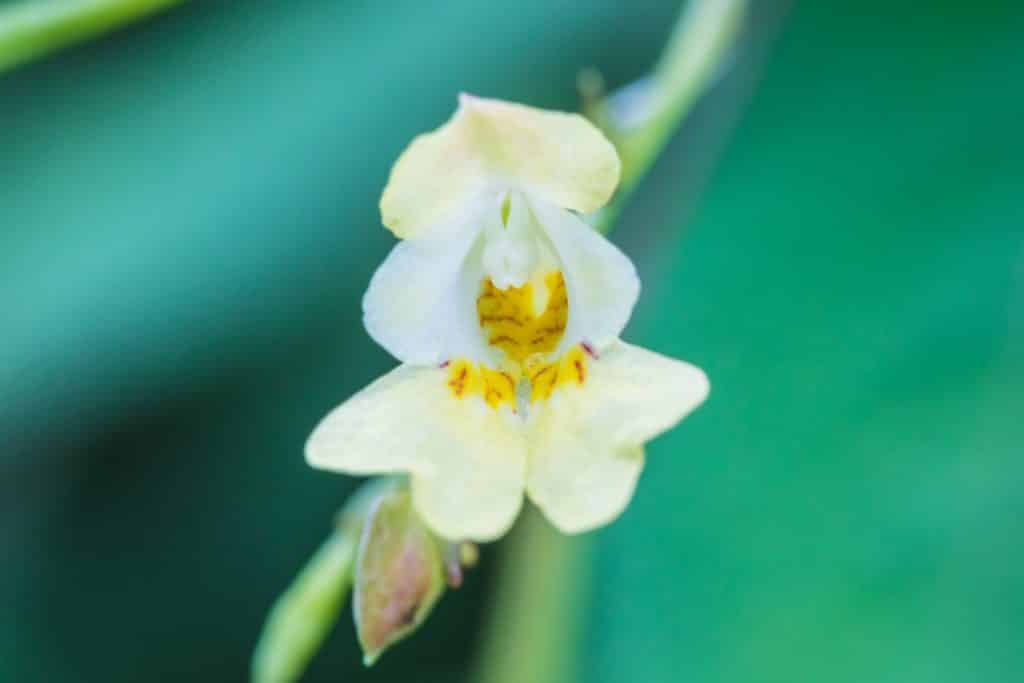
(466,460)
(493,145)
(433,179)
(586,441)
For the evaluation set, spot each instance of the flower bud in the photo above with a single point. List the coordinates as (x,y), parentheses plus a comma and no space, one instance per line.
(399,574)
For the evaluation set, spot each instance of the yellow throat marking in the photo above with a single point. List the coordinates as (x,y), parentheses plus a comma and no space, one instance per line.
(544,378)
(469,379)
(509,319)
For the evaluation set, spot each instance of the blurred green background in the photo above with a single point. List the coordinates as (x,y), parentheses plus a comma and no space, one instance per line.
(187,223)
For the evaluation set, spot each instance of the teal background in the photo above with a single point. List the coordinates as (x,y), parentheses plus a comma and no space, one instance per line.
(188,220)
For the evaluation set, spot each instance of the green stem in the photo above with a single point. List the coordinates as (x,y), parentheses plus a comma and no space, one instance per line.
(641,119)
(304,614)
(34,28)
(536,612)
(534,629)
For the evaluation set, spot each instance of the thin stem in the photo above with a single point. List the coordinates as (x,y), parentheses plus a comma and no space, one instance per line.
(536,612)
(534,628)
(641,118)
(304,614)
(34,28)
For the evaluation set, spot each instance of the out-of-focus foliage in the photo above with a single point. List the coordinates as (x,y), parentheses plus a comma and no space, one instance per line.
(188,219)
(847,505)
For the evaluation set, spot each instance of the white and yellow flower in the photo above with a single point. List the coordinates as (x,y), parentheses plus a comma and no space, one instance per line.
(505,309)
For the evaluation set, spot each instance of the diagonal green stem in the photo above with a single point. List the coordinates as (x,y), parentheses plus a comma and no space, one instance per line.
(641,118)
(304,614)
(33,28)
(534,628)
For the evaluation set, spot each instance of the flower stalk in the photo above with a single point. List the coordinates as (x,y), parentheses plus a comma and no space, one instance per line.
(641,117)
(304,614)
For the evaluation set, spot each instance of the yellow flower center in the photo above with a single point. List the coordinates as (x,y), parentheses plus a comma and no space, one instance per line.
(511,322)
(526,323)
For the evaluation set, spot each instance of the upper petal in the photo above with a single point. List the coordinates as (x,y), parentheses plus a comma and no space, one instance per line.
(586,441)
(601,280)
(466,461)
(558,156)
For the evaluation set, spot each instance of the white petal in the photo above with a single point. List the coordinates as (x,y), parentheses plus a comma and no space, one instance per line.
(510,252)
(601,281)
(489,143)
(586,441)
(420,303)
(466,461)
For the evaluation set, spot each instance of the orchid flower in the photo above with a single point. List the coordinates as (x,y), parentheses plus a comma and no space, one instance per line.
(505,309)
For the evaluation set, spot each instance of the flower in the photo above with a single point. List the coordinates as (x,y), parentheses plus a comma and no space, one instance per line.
(505,309)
